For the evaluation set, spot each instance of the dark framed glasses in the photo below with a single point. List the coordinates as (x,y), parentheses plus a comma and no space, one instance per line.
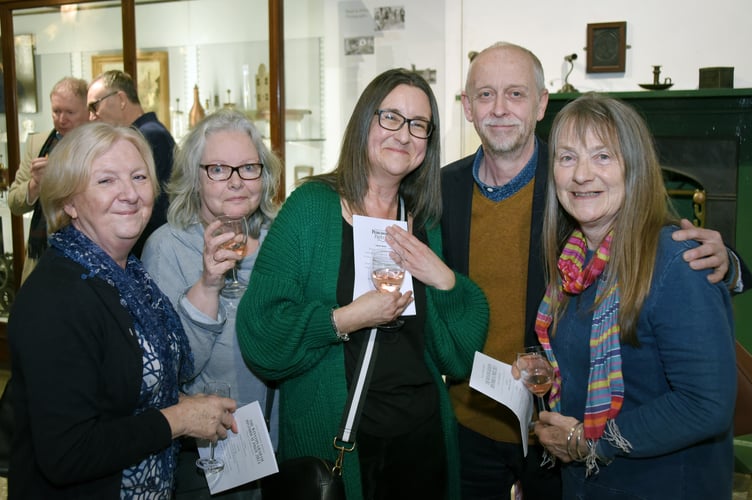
(94,106)
(221,172)
(391,120)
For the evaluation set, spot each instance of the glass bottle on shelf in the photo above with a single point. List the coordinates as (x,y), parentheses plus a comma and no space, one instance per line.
(178,121)
(246,88)
(197,111)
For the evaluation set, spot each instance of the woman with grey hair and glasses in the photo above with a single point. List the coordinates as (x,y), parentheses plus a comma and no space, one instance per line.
(222,168)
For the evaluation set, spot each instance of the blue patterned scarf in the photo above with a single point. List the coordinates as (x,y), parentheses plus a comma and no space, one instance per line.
(167,356)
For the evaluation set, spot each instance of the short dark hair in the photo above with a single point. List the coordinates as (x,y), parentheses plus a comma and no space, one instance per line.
(120,80)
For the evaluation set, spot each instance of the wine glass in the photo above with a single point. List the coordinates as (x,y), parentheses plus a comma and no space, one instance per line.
(239,227)
(211,464)
(536,373)
(387,276)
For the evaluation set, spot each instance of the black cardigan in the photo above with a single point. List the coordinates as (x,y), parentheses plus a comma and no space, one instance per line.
(76,375)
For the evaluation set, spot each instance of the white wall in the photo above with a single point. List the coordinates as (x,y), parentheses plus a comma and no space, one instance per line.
(680,35)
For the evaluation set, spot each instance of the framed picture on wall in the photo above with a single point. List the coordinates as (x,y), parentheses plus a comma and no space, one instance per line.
(606,47)
(153,79)
(26,78)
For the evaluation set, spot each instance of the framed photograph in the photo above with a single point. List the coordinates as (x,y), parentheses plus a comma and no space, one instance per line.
(26,77)
(359,45)
(606,47)
(153,79)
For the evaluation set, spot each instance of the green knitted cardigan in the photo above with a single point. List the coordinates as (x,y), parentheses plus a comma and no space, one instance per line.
(285,333)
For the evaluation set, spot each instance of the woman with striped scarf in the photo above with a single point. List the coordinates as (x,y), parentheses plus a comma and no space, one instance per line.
(642,345)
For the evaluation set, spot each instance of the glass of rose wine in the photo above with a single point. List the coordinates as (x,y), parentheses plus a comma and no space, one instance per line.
(239,227)
(387,276)
(536,373)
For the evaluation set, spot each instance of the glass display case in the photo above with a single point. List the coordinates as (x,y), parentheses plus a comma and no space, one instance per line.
(50,43)
(218,47)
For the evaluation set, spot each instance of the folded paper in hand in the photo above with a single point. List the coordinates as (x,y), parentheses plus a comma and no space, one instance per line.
(248,455)
(494,379)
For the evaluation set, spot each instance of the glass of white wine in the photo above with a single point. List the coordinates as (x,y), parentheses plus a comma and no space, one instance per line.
(387,276)
(239,227)
(211,463)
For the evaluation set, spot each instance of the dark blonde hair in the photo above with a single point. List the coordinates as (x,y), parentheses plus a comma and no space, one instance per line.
(69,167)
(421,188)
(75,86)
(645,210)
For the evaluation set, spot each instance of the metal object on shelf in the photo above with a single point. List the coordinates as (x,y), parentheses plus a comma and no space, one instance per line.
(568,87)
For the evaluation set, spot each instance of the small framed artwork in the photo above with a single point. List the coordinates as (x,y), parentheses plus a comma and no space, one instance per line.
(153,79)
(606,47)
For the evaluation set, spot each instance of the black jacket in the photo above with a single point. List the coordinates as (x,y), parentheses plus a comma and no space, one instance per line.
(76,377)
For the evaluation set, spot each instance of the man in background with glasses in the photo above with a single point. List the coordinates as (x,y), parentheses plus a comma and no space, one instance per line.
(113,98)
(68,104)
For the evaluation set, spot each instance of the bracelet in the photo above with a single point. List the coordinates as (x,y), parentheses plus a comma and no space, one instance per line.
(580,432)
(343,336)
(588,442)
(569,441)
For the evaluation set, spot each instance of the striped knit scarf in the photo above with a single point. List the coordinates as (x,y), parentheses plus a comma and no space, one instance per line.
(605,384)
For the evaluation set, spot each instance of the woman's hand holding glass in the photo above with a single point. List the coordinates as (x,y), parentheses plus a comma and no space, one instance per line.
(238,228)
(536,373)
(371,309)
(557,434)
(224,246)
(201,417)
(533,367)
(217,260)
(387,276)
(211,463)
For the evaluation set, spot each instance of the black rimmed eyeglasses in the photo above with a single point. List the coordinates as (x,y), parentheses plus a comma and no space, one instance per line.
(94,106)
(391,120)
(220,172)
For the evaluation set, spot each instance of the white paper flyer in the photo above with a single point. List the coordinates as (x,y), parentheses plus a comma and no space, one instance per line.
(248,455)
(368,236)
(494,379)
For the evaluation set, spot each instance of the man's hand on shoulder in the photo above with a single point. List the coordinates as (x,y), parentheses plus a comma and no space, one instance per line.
(711,254)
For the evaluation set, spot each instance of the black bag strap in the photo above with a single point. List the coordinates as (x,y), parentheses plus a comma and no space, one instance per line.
(270,392)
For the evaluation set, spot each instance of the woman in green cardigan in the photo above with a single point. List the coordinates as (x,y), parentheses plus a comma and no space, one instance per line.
(299,324)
